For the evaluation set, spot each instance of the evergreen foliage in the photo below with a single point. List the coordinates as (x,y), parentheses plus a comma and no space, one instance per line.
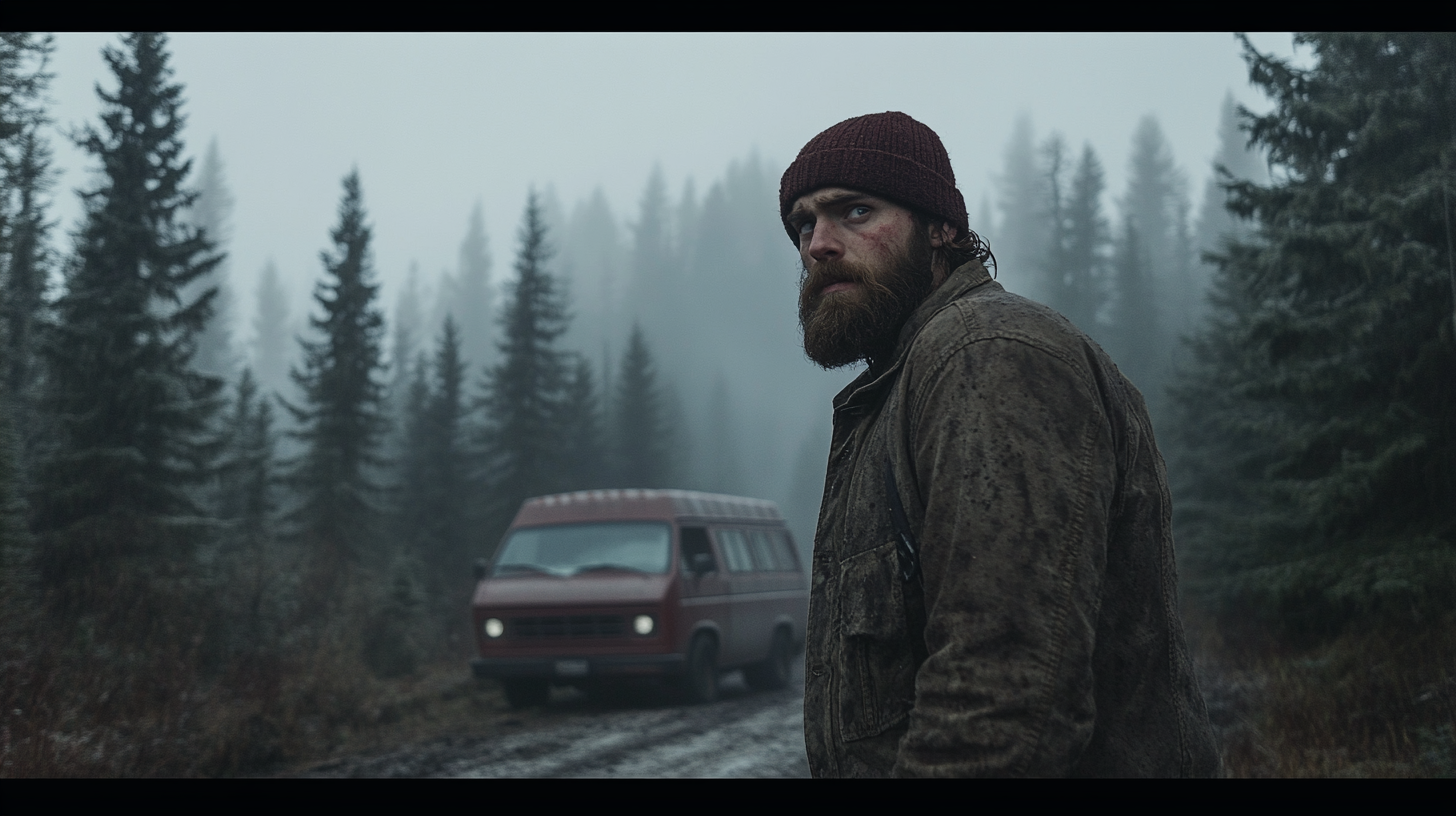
(25,257)
(1152,261)
(271,330)
(1235,161)
(581,430)
(643,435)
(1321,404)
(246,480)
(132,413)
(211,213)
(469,296)
(341,419)
(1073,268)
(1021,233)
(434,489)
(521,441)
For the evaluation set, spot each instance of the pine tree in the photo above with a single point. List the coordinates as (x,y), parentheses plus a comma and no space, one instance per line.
(24,269)
(408,326)
(1152,281)
(643,437)
(211,213)
(246,479)
(435,496)
(132,413)
(723,461)
(522,399)
(341,420)
(1022,231)
(271,333)
(25,258)
(655,282)
(1137,320)
(582,434)
(1332,345)
(246,497)
(593,251)
(1216,225)
(471,297)
(25,177)
(1087,241)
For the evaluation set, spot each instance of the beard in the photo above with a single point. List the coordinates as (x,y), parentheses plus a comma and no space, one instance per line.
(864,323)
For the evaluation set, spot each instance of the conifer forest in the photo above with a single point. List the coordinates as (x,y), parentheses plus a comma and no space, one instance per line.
(235,524)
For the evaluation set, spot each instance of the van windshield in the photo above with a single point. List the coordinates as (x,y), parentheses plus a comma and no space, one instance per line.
(572,549)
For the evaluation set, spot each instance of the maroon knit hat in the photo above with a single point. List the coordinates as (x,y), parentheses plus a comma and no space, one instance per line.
(885,154)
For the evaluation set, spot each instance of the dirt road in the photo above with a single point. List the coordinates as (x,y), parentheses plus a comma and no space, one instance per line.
(635,732)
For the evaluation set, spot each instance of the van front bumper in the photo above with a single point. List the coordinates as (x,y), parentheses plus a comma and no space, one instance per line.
(568,667)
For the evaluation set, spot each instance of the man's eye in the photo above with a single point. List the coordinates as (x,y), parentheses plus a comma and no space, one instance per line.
(806,227)
(859,211)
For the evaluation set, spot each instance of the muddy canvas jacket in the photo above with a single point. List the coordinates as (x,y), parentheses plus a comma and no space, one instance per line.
(1028,472)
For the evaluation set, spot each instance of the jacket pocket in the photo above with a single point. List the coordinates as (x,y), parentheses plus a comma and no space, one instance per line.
(877,671)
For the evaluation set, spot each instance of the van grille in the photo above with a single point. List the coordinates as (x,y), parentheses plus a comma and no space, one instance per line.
(569,626)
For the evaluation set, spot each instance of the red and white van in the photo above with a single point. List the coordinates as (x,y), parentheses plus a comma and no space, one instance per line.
(615,583)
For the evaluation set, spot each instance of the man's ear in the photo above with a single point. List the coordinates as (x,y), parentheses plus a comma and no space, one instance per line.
(942,233)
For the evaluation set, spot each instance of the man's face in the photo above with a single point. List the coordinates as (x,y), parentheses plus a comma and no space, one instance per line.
(866,268)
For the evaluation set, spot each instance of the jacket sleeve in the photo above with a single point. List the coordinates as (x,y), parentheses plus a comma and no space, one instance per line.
(1013,464)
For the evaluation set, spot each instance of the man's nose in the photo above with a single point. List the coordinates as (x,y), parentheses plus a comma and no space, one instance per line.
(824,243)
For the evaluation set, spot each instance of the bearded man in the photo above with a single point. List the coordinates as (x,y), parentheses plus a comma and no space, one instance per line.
(994,590)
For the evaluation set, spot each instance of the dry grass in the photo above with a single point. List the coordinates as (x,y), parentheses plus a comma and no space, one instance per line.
(1378,702)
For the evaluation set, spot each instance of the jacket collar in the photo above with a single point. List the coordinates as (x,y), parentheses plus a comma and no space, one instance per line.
(866,387)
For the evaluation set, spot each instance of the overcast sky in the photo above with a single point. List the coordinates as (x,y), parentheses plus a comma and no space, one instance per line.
(435,121)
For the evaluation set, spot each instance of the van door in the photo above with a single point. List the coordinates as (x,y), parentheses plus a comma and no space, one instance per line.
(705,596)
(745,583)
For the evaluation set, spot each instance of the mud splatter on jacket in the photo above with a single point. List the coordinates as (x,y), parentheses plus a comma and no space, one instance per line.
(1028,471)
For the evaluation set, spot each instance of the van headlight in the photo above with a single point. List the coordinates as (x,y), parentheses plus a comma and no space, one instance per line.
(643,624)
(494,628)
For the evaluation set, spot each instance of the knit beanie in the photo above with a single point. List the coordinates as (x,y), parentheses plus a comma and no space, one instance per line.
(888,155)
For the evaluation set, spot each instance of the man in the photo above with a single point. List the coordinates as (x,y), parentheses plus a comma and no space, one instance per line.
(993,583)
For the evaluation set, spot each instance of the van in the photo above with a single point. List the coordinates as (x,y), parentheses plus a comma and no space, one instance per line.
(608,584)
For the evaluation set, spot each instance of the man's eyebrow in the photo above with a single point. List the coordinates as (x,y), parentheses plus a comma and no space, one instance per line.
(834,200)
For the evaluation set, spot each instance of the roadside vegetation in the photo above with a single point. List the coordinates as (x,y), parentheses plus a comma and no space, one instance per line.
(209,568)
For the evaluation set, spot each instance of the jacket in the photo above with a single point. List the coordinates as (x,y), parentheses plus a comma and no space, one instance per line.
(1046,640)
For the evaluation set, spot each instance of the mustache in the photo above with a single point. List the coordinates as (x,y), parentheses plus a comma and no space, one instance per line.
(827,273)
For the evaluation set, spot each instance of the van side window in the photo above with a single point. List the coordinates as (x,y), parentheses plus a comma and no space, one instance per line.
(735,550)
(784,546)
(695,541)
(763,552)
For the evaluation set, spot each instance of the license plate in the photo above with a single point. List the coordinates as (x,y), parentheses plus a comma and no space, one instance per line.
(570,668)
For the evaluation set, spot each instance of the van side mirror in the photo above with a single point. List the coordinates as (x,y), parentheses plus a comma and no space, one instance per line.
(703,564)
(480,568)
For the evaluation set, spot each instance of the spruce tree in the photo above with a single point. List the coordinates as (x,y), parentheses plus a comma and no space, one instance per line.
(247,499)
(1022,230)
(25,265)
(1332,344)
(521,440)
(341,419)
(211,213)
(1087,238)
(643,436)
(1152,281)
(593,250)
(271,333)
(132,412)
(469,296)
(25,257)
(435,500)
(1053,261)
(582,434)
(25,177)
